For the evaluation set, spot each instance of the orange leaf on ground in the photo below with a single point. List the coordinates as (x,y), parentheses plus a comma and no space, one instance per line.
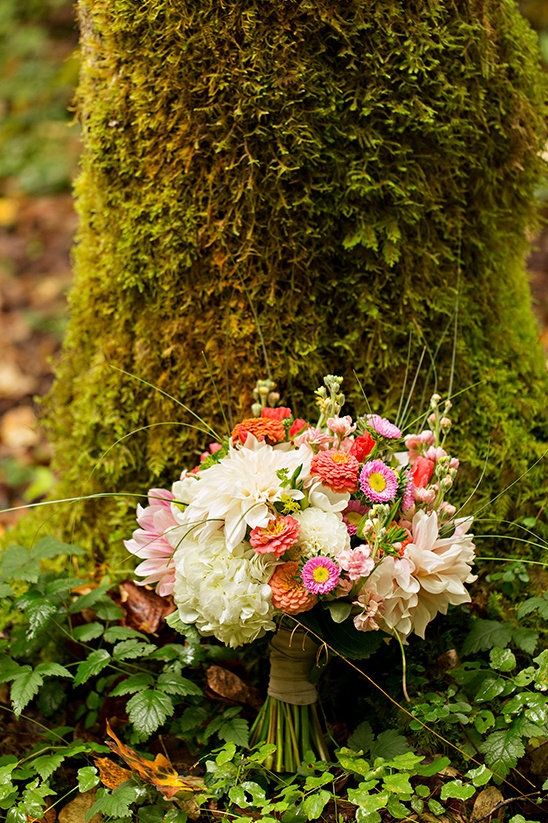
(158,772)
(110,773)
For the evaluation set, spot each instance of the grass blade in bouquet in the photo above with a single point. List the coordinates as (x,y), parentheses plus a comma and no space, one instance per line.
(343,524)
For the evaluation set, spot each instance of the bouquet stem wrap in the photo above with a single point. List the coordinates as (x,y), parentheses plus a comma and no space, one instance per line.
(289,717)
(292,656)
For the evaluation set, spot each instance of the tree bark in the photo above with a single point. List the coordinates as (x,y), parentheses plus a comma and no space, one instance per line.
(349,171)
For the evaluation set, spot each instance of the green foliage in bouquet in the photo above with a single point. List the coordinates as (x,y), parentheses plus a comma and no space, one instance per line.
(352,170)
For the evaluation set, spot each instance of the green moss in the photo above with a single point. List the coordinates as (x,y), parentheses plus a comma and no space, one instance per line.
(337,162)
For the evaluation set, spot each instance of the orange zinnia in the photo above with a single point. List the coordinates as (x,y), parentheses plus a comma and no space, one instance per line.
(288,592)
(262,428)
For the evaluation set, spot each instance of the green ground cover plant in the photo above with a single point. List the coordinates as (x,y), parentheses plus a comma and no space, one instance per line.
(72,663)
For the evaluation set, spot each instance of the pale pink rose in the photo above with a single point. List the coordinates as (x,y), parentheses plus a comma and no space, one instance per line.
(342,426)
(357,562)
(315,438)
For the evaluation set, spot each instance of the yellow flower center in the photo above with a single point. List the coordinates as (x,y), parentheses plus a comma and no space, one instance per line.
(354,517)
(320,574)
(377,482)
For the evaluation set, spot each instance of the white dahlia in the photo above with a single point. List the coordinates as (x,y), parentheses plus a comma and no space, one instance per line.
(428,578)
(225,593)
(240,490)
(320,532)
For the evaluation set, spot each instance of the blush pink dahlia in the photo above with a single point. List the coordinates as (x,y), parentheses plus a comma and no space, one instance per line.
(337,470)
(378,482)
(280,534)
(150,542)
(352,516)
(383,426)
(320,575)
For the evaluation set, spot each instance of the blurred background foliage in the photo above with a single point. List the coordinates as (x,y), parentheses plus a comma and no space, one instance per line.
(39,138)
(39,143)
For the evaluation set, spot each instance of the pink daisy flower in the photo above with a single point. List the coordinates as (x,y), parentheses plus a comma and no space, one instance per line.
(320,575)
(383,426)
(352,516)
(378,482)
(280,534)
(149,542)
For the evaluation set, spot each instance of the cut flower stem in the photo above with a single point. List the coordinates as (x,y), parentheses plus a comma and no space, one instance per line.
(295,730)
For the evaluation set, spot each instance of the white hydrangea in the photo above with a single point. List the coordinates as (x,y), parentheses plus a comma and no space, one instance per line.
(225,593)
(321,532)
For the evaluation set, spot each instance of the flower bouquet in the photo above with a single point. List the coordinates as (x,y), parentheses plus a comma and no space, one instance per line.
(342,528)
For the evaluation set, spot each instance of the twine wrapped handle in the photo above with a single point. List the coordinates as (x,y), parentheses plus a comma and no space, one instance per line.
(292,656)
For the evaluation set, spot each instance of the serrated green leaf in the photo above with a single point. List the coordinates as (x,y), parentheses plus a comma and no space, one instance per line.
(485,634)
(151,814)
(17,563)
(192,718)
(39,615)
(525,639)
(115,804)
(389,744)
(88,601)
(46,764)
(88,778)
(9,668)
(50,698)
(52,669)
(88,631)
(94,663)
(148,709)
(175,816)
(457,789)
(490,688)
(131,649)
(539,604)
(362,737)
(134,683)
(106,609)
(115,633)
(502,659)
(24,687)
(52,547)
(235,731)
(5,590)
(314,804)
(173,683)
(502,750)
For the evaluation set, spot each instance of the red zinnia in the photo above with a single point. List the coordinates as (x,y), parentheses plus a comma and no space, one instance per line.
(276,414)
(337,470)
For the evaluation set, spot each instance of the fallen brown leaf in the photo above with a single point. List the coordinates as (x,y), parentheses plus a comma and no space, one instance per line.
(144,609)
(485,802)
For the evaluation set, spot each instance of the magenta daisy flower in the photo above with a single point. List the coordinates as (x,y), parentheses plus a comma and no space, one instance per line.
(383,426)
(378,482)
(320,575)
(352,516)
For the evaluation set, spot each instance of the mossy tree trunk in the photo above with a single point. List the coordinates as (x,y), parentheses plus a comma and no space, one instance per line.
(340,165)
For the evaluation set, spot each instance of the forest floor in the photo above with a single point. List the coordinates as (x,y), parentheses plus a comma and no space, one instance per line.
(36,234)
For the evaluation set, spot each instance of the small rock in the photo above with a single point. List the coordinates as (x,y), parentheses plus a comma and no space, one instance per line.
(75,811)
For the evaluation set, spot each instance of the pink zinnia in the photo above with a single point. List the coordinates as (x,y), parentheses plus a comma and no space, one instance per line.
(357,562)
(149,542)
(280,534)
(383,426)
(378,482)
(320,575)
(352,516)
(337,470)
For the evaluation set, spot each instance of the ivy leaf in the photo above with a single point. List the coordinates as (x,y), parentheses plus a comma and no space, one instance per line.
(389,744)
(95,663)
(479,776)
(502,659)
(398,784)
(235,731)
(46,764)
(362,737)
(88,778)
(484,720)
(314,804)
(430,769)
(24,687)
(490,688)
(485,634)
(456,788)
(148,709)
(502,750)
(541,676)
